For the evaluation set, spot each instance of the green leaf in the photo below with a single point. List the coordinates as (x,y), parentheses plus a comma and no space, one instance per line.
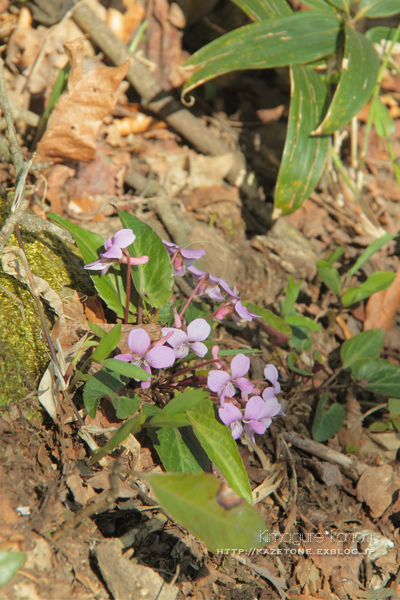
(291,359)
(383,122)
(103,383)
(299,38)
(382,375)
(127,369)
(327,422)
(221,448)
(378,8)
(365,345)
(394,407)
(300,321)
(376,282)
(90,244)
(209,510)
(378,34)
(239,351)
(153,280)
(97,330)
(130,426)
(178,405)
(271,319)
(330,276)
(301,339)
(10,562)
(260,10)
(125,406)
(291,294)
(303,155)
(179,450)
(320,5)
(109,342)
(341,5)
(374,247)
(359,71)
(335,255)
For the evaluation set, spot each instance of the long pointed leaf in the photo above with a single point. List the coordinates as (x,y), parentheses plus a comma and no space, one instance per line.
(260,10)
(299,38)
(304,155)
(179,449)
(319,5)
(378,8)
(360,66)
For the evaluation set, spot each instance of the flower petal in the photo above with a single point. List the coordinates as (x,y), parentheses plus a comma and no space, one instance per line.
(258,426)
(178,336)
(123,238)
(268,393)
(254,409)
(108,243)
(198,330)
(138,341)
(250,433)
(113,252)
(199,348)
(237,429)
(125,357)
(272,408)
(229,413)
(244,385)
(182,350)
(217,379)
(271,374)
(240,365)
(192,254)
(139,260)
(160,357)
(99,265)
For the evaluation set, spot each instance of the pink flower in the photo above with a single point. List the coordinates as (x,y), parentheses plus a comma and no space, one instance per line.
(222,383)
(233,307)
(181,257)
(257,416)
(197,331)
(271,374)
(157,357)
(209,286)
(232,416)
(114,255)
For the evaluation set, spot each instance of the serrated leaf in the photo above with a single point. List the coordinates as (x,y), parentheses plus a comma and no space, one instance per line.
(10,562)
(382,375)
(378,8)
(130,426)
(363,346)
(127,369)
(259,10)
(383,122)
(153,280)
(330,276)
(179,450)
(271,319)
(327,422)
(90,244)
(103,383)
(210,511)
(376,282)
(299,38)
(368,252)
(221,448)
(300,321)
(108,343)
(359,71)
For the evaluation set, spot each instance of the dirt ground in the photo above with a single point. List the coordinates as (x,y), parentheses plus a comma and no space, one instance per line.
(136,161)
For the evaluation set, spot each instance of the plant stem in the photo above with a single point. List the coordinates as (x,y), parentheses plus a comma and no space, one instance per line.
(192,295)
(203,364)
(140,311)
(128,292)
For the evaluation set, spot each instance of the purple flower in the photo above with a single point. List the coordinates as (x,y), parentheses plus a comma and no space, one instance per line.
(222,383)
(157,357)
(271,374)
(197,331)
(232,416)
(258,415)
(209,287)
(234,307)
(114,255)
(181,257)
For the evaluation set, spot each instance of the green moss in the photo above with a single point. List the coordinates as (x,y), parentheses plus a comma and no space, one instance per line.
(23,356)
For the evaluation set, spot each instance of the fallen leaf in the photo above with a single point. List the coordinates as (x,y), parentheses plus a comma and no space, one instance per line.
(382,307)
(77,116)
(375,488)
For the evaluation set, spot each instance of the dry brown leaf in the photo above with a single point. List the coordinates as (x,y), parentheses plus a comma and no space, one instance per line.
(375,488)
(77,117)
(382,306)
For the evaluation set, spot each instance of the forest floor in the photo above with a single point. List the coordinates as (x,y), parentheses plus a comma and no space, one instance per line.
(348,519)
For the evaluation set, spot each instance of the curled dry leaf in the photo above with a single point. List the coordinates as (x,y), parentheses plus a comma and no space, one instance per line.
(375,487)
(76,119)
(382,306)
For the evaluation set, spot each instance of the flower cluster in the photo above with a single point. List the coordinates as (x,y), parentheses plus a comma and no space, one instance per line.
(114,255)
(258,411)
